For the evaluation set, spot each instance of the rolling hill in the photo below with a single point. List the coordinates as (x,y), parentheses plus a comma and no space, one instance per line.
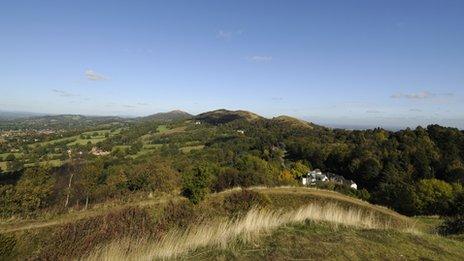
(222,116)
(168,116)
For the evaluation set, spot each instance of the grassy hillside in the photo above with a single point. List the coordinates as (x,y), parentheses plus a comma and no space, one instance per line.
(224,116)
(239,224)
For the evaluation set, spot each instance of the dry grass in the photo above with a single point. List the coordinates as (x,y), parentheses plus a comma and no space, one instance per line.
(220,233)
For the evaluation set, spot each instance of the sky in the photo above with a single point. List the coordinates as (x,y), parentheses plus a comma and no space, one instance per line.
(381,63)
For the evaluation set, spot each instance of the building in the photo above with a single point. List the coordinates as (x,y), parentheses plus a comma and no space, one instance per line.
(316,176)
(99,152)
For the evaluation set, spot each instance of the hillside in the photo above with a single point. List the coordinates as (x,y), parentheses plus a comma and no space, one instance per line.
(224,116)
(168,116)
(293,122)
(260,223)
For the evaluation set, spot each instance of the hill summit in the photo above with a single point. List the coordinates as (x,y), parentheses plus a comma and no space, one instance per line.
(294,122)
(222,116)
(169,116)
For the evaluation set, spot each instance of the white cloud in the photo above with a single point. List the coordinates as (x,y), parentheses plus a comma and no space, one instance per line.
(93,76)
(227,35)
(261,58)
(62,93)
(415,110)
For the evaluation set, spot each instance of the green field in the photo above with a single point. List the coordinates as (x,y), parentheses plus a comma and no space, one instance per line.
(18,155)
(190,148)
(53,163)
(161,128)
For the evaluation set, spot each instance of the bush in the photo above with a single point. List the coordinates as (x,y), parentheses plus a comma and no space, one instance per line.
(7,245)
(452,226)
(76,239)
(241,202)
(196,183)
(435,196)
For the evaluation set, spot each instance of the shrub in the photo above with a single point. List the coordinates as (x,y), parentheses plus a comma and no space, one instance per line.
(452,225)
(196,183)
(434,196)
(7,245)
(75,239)
(241,202)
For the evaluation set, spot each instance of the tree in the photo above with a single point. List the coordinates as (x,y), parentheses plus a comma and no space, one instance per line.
(87,180)
(196,183)
(368,171)
(456,175)
(299,169)
(10,157)
(14,165)
(156,175)
(434,196)
(34,189)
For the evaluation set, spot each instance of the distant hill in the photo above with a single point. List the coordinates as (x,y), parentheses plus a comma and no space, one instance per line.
(169,116)
(224,116)
(294,122)
(12,115)
(65,121)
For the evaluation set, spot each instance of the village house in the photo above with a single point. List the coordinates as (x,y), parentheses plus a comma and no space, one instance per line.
(316,176)
(99,152)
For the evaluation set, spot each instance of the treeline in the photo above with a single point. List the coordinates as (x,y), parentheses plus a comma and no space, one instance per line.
(418,171)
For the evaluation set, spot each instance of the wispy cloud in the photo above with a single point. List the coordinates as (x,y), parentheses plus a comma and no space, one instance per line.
(260,58)
(414,96)
(227,35)
(420,95)
(373,111)
(93,76)
(63,93)
(143,103)
(415,110)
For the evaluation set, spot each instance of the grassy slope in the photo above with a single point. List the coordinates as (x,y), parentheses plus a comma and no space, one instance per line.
(324,242)
(308,240)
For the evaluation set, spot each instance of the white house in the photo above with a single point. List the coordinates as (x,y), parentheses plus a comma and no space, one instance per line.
(312,177)
(353,185)
(316,175)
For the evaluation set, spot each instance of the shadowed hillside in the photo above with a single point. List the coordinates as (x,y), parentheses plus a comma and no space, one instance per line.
(224,116)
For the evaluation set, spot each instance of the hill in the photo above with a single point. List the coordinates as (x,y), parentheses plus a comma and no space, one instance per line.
(12,115)
(294,122)
(168,116)
(259,223)
(222,116)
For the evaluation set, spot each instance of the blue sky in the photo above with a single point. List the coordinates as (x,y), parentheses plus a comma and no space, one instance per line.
(396,63)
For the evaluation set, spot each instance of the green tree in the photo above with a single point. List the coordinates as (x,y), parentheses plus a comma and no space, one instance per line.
(299,169)
(34,190)
(197,182)
(368,171)
(10,157)
(87,180)
(435,196)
